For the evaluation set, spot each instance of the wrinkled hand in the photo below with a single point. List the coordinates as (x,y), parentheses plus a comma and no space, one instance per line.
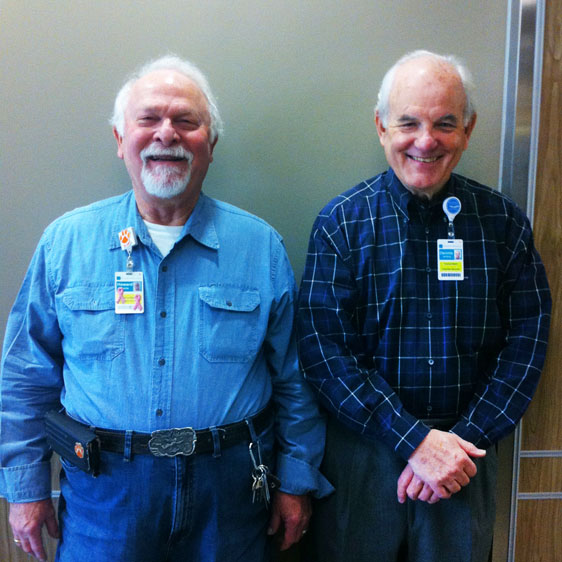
(410,485)
(441,464)
(27,520)
(289,514)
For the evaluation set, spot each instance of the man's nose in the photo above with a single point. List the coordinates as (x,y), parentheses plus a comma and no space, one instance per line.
(426,139)
(166,133)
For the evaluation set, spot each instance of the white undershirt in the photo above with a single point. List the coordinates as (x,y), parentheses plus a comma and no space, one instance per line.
(163,236)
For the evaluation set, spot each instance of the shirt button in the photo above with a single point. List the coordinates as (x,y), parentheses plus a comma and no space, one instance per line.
(161,361)
(228,303)
(159,412)
(429,408)
(428,269)
(405,221)
(428,315)
(431,361)
(427,230)
(163,314)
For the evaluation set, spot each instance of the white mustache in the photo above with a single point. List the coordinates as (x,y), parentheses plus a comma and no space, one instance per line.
(173,152)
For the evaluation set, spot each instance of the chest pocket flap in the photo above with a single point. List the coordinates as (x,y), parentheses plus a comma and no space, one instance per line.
(230,298)
(229,327)
(91,329)
(89,298)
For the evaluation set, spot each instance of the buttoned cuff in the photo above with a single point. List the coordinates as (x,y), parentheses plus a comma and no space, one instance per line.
(299,478)
(26,483)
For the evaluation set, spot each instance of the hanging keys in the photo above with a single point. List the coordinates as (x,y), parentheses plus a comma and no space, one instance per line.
(262,479)
(260,489)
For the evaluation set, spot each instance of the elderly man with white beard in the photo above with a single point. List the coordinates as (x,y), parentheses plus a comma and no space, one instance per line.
(152,346)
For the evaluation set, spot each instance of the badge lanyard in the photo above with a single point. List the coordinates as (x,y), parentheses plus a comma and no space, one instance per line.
(450,258)
(129,285)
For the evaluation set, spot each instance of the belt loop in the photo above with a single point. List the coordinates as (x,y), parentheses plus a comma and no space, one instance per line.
(128,446)
(216,441)
(252,430)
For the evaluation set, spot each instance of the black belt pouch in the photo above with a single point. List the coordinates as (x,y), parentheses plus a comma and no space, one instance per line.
(78,444)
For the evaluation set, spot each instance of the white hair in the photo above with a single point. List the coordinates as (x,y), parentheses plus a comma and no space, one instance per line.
(168,62)
(382,107)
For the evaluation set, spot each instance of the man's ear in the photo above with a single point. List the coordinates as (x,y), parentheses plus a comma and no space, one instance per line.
(119,140)
(468,129)
(213,144)
(381,129)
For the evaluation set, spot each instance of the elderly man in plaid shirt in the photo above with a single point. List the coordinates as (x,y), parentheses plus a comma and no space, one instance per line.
(423,324)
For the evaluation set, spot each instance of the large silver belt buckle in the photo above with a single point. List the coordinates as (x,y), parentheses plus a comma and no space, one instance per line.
(173,442)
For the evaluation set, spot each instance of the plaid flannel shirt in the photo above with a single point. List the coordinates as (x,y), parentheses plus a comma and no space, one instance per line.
(387,345)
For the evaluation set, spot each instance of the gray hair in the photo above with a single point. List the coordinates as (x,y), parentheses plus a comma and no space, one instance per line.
(168,62)
(382,107)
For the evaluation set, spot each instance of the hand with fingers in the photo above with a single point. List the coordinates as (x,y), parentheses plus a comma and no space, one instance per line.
(27,520)
(290,515)
(438,468)
(411,486)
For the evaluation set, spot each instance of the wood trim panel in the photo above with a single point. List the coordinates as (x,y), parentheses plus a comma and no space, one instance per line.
(538,536)
(537,475)
(542,425)
(538,539)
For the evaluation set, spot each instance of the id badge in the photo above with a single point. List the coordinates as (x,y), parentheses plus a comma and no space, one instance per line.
(450,260)
(129,292)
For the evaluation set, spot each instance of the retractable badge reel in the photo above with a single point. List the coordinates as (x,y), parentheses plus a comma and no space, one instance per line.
(450,256)
(129,285)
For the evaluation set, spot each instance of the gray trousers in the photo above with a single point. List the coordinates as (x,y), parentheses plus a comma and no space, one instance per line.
(363,521)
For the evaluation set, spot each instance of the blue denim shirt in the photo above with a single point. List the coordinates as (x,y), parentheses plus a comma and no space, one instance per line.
(214,344)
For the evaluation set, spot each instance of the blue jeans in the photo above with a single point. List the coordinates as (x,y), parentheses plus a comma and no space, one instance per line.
(150,509)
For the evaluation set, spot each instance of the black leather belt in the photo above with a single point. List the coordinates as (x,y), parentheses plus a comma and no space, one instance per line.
(183,441)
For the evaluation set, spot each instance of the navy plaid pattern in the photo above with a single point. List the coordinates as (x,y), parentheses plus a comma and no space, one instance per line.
(387,345)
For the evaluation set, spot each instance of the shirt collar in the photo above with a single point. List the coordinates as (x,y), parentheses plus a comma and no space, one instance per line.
(398,192)
(200,225)
(403,197)
(128,215)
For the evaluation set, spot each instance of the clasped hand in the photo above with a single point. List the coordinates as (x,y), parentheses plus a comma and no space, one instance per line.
(439,467)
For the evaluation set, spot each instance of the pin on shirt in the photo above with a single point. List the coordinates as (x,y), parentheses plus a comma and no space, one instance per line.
(450,258)
(127,238)
(129,285)
(452,207)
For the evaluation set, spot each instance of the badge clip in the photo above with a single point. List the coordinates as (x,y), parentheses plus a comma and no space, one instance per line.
(129,285)
(128,239)
(451,207)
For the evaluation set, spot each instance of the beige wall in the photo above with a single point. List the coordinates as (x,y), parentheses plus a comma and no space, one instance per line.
(296,83)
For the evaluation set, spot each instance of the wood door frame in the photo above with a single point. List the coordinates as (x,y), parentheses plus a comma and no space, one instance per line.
(518,173)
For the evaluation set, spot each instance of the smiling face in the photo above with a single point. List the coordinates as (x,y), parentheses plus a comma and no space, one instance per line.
(424,136)
(166,143)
